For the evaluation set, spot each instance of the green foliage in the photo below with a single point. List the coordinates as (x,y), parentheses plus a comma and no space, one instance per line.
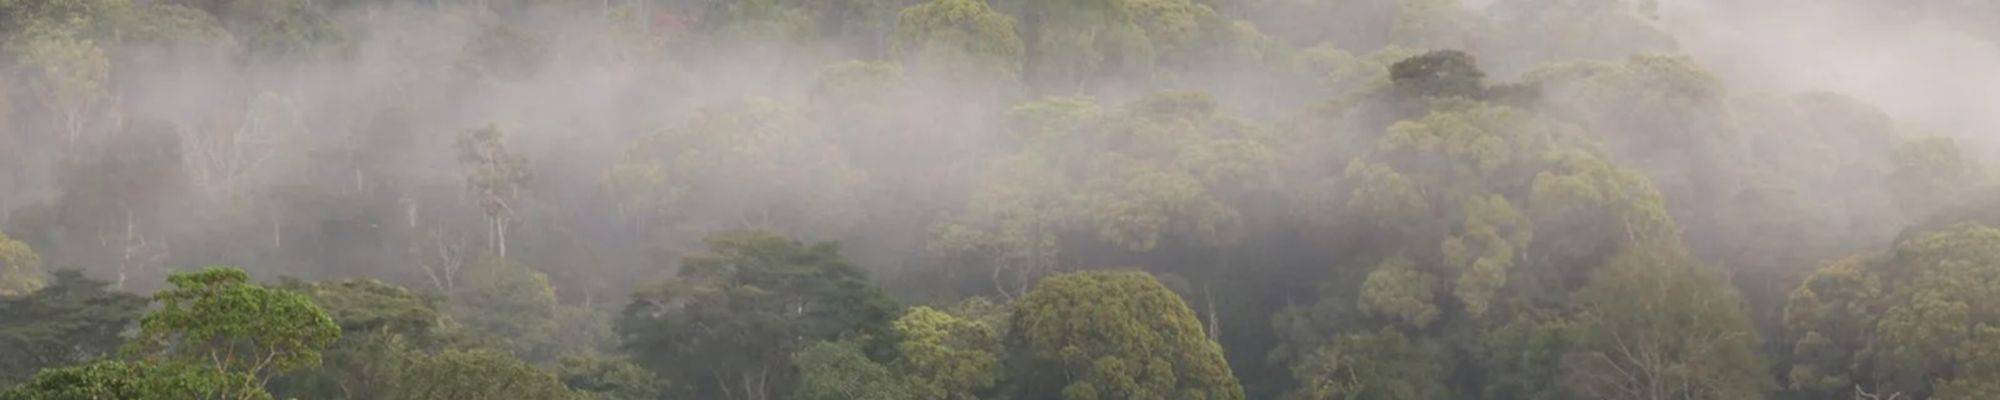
(216,316)
(371,306)
(1908,322)
(1940,321)
(746,305)
(477,374)
(1168,167)
(609,379)
(382,325)
(1114,335)
(507,302)
(20,268)
(70,75)
(839,370)
(1440,73)
(137,381)
(1930,172)
(74,319)
(947,357)
(938,355)
(750,165)
(1828,319)
(496,177)
(963,36)
(1400,292)
(1674,327)
(1378,365)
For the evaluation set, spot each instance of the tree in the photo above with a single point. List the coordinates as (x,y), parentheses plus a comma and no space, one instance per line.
(962,36)
(1909,322)
(839,370)
(137,381)
(609,379)
(20,268)
(946,356)
(381,325)
(730,320)
(1939,326)
(938,356)
(1168,169)
(1114,335)
(1930,172)
(1397,290)
(501,300)
(1658,326)
(1439,73)
(477,374)
(70,74)
(215,316)
(496,178)
(1372,365)
(74,319)
(750,165)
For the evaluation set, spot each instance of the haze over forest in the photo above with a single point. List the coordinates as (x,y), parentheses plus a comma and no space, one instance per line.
(999,199)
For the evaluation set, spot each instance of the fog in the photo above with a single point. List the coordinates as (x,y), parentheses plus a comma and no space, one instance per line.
(1440,178)
(1914,63)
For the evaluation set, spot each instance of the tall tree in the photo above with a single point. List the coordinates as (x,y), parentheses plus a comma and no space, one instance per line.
(217,318)
(70,73)
(1114,335)
(504,301)
(750,165)
(380,324)
(1917,322)
(729,321)
(1656,326)
(958,37)
(496,177)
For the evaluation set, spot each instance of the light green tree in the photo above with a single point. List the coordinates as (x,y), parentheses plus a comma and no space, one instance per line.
(839,370)
(964,38)
(70,75)
(1114,335)
(216,317)
(137,380)
(20,268)
(1657,325)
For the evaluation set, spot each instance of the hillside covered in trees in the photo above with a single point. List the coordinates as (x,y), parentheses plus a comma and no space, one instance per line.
(999,199)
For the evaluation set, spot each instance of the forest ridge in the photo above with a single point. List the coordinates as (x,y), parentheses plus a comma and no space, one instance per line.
(999,199)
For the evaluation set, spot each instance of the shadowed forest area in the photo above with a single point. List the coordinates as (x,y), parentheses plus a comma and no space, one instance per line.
(999,199)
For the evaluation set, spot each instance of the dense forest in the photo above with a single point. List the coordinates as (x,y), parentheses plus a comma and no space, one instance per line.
(999,199)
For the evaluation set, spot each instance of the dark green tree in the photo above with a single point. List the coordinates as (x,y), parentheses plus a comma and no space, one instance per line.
(74,319)
(609,379)
(477,374)
(730,320)
(381,325)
